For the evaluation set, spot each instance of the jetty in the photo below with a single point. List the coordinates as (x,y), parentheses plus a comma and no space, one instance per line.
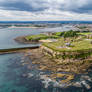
(9,50)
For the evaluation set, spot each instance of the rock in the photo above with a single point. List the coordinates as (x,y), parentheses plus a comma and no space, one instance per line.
(59,75)
(24,75)
(56,84)
(86,78)
(30,75)
(77,84)
(46,80)
(68,44)
(22,61)
(85,84)
(42,67)
(59,69)
(25,63)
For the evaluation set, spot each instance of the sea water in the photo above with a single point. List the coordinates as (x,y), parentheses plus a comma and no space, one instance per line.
(15,77)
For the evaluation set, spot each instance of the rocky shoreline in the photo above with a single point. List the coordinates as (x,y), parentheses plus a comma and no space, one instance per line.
(65,74)
(57,65)
(22,40)
(48,59)
(62,71)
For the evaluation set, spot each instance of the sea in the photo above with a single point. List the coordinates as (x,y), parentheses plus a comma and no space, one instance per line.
(16,77)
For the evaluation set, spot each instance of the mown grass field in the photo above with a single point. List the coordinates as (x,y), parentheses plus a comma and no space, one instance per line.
(60,44)
(40,37)
(85,33)
(75,45)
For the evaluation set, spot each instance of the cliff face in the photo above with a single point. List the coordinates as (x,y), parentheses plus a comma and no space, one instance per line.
(83,54)
(76,62)
(63,69)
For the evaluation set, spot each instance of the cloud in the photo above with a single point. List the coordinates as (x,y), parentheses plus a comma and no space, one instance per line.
(45,9)
(42,15)
(24,5)
(79,6)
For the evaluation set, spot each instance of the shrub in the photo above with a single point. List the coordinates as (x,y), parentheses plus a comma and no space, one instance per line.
(70,33)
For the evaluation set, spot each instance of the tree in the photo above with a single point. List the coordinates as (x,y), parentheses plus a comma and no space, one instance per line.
(70,33)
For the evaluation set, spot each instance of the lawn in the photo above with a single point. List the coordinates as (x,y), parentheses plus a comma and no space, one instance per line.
(75,46)
(33,37)
(40,37)
(85,33)
(60,44)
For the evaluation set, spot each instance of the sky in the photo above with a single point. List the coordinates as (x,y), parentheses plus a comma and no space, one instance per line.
(45,10)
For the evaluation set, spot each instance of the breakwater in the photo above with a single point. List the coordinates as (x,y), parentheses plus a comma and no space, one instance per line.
(8,50)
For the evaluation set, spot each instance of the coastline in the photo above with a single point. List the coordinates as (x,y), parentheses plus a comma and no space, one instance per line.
(42,65)
(56,71)
(22,40)
(26,27)
(45,54)
(59,68)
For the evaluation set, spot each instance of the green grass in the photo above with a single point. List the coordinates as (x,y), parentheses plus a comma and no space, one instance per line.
(77,45)
(44,36)
(80,46)
(33,37)
(40,37)
(80,49)
(58,33)
(85,33)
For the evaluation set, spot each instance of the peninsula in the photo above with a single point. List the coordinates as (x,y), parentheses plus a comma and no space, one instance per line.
(64,54)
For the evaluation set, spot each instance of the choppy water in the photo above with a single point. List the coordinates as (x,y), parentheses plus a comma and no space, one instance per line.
(16,77)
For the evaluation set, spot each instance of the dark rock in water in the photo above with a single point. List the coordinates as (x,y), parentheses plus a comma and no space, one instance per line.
(86,85)
(14,90)
(24,75)
(77,84)
(20,39)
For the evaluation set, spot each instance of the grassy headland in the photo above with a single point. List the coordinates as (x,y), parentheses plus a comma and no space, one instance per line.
(67,52)
(40,37)
(70,44)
